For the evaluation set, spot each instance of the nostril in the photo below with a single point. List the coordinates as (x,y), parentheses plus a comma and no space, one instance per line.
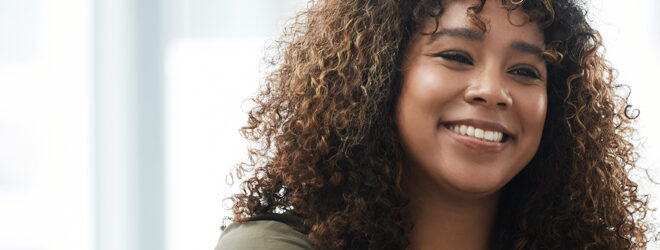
(479,99)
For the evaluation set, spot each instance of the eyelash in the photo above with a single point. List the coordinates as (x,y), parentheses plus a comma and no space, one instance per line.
(455,57)
(462,58)
(526,72)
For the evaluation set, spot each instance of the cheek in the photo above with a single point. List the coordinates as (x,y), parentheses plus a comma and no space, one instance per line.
(426,91)
(431,86)
(533,111)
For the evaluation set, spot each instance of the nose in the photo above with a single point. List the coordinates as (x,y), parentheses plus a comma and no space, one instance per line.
(489,90)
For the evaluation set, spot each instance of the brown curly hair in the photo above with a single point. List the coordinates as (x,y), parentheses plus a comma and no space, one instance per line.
(327,148)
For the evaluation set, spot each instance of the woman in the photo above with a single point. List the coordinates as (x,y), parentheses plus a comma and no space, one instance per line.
(425,124)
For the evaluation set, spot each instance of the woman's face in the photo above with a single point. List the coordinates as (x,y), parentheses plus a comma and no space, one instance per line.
(472,104)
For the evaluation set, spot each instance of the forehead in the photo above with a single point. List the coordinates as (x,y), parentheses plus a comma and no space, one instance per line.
(514,24)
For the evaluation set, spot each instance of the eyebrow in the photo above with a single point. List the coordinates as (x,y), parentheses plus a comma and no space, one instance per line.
(473,35)
(469,34)
(528,48)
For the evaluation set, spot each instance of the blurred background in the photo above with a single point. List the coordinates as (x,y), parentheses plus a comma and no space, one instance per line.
(119,119)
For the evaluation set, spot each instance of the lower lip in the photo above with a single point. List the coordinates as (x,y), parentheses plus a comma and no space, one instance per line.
(476,144)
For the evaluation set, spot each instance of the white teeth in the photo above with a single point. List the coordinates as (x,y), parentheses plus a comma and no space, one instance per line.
(470,131)
(487,135)
(479,133)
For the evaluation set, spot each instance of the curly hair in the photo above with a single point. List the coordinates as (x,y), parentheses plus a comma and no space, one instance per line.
(326,145)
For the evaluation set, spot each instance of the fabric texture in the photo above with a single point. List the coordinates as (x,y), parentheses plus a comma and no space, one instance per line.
(266,232)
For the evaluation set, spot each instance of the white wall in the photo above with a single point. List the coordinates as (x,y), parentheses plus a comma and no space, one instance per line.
(46,145)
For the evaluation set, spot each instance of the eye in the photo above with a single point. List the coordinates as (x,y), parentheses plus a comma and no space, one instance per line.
(454,56)
(526,72)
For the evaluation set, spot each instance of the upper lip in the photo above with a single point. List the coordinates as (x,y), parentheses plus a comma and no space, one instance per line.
(485,125)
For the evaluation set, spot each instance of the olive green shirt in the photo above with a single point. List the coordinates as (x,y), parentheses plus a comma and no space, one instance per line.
(266,232)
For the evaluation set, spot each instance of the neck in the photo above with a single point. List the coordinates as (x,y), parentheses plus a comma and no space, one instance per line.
(444,221)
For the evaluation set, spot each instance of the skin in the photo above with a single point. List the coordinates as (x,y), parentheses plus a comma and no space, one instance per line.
(460,74)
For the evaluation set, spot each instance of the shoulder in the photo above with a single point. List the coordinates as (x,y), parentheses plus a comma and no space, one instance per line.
(266,232)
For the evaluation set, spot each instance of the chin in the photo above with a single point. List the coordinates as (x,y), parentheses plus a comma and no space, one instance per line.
(477,190)
(477,185)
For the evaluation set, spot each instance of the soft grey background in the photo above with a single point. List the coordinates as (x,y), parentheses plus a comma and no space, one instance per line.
(119,119)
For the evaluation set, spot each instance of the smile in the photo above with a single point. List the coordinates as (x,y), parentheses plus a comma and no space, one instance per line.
(487,135)
(479,135)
